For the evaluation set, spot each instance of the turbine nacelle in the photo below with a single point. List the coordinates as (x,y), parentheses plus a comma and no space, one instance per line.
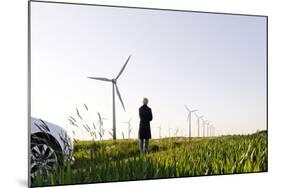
(190,111)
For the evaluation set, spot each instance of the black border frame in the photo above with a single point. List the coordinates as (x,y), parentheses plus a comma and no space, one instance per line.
(130,7)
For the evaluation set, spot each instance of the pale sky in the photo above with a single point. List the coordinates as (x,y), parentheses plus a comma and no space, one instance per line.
(211,62)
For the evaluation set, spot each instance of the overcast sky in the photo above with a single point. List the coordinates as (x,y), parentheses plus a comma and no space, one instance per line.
(211,62)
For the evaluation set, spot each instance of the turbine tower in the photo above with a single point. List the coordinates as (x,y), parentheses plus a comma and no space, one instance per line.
(189,118)
(212,130)
(203,126)
(208,127)
(198,122)
(114,86)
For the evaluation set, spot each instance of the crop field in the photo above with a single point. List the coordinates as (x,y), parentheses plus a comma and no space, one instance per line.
(106,161)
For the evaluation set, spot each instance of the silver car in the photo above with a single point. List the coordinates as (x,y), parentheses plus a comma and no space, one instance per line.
(50,146)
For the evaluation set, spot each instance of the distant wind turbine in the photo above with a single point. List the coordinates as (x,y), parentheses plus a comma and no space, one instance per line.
(189,118)
(114,86)
(203,126)
(129,127)
(208,127)
(212,130)
(198,123)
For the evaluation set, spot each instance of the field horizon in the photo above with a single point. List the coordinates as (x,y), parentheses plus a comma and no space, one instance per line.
(167,137)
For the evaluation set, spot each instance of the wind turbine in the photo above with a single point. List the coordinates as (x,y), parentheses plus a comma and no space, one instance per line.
(203,126)
(129,127)
(198,122)
(208,127)
(189,118)
(114,86)
(212,130)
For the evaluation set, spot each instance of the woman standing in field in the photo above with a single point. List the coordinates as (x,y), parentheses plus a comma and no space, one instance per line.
(144,129)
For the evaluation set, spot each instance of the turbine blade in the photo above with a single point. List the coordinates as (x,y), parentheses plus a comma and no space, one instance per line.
(119,96)
(122,69)
(101,79)
(187,108)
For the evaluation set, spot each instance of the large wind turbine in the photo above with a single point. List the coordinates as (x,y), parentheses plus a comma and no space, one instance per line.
(114,86)
(198,123)
(189,118)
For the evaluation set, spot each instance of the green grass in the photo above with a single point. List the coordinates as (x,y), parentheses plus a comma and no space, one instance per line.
(104,161)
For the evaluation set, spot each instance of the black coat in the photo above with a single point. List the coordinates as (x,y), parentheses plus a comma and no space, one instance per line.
(145,118)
